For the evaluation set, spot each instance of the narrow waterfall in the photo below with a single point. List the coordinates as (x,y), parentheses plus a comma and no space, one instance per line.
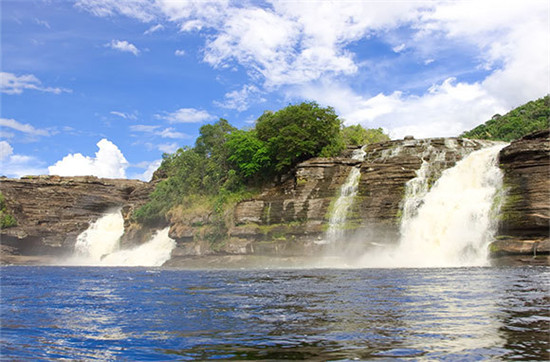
(99,245)
(347,193)
(453,223)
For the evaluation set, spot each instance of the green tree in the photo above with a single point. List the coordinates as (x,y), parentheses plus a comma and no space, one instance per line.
(356,135)
(6,219)
(298,132)
(248,155)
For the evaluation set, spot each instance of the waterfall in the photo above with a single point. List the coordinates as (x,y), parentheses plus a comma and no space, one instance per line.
(99,245)
(101,238)
(453,223)
(347,193)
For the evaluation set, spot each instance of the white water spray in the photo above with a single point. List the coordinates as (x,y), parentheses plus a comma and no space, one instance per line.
(347,193)
(101,238)
(99,245)
(454,222)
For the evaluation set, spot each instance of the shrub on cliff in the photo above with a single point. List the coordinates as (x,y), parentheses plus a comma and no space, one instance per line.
(356,135)
(6,219)
(528,118)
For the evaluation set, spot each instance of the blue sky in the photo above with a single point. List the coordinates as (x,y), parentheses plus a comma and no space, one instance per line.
(104,87)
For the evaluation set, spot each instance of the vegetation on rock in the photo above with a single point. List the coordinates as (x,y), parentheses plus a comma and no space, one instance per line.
(6,219)
(528,118)
(200,185)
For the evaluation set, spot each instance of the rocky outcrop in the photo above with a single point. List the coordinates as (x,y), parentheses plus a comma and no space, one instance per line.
(51,210)
(291,218)
(525,214)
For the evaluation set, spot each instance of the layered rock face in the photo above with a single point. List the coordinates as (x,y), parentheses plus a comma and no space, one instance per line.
(51,210)
(525,213)
(292,218)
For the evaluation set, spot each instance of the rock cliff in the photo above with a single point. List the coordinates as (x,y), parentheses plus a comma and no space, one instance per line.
(525,214)
(51,210)
(292,217)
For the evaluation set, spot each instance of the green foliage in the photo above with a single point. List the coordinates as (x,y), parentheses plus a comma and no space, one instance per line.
(299,132)
(248,154)
(356,135)
(6,219)
(530,117)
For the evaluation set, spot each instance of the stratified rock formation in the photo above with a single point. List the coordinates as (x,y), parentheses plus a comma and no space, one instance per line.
(525,214)
(291,218)
(51,210)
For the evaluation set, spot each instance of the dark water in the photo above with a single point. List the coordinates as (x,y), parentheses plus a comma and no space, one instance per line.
(155,314)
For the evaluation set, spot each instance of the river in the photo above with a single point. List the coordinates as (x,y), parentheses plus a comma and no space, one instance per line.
(147,313)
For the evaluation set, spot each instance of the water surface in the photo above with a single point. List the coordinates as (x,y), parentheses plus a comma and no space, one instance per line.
(316,314)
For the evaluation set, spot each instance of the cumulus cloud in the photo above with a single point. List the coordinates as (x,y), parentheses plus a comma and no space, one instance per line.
(179,53)
(123,46)
(186,115)
(309,50)
(13,84)
(25,128)
(109,162)
(241,99)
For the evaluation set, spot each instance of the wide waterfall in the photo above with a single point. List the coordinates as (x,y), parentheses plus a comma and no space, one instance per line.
(99,245)
(453,223)
(340,208)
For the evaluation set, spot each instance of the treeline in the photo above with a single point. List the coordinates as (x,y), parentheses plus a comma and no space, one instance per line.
(228,164)
(528,118)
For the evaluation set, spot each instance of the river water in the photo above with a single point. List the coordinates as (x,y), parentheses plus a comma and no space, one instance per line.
(109,313)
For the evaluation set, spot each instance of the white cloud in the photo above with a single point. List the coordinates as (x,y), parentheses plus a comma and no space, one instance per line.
(155,130)
(13,84)
(43,23)
(109,162)
(123,46)
(171,133)
(179,53)
(168,147)
(306,49)
(186,115)
(240,99)
(5,150)
(150,168)
(399,48)
(132,116)
(14,165)
(143,128)
(24,128)
(153,29)
(143,10)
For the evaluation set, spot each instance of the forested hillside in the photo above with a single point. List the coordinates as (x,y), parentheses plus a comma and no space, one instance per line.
(530,117)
